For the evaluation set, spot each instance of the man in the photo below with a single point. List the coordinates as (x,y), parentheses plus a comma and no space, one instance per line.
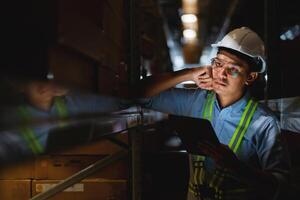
(252,162)
(40,113)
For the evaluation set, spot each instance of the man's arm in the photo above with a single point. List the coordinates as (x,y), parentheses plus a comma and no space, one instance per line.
(263,182)
(153,85)
(270,180)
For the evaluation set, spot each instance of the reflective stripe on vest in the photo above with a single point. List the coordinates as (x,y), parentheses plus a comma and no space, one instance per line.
(243,126)
(234,143)
(208,106)
(198,170)
(28,133)
(61,107)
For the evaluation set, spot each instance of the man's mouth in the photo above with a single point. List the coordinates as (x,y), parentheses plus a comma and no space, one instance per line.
(218,82)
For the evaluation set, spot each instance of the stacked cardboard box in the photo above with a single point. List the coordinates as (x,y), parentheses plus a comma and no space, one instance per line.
(15,180)
(15,189)
(26,179)
(87,189)
(92,35)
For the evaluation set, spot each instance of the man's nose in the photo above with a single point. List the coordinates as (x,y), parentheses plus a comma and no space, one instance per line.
(223,72)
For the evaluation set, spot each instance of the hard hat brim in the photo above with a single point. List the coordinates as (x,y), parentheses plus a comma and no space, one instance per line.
(263,65)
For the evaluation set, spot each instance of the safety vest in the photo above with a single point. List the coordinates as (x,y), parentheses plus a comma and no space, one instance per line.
(197,185)
(28,133)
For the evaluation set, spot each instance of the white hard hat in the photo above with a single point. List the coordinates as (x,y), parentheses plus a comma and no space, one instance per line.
(247,42)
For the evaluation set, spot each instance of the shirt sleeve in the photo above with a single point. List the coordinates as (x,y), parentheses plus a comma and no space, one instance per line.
(94,103)
(273,154)
(178,101)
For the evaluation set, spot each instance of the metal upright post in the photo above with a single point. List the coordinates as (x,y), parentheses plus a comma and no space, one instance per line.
(135,138)
(135,179)
(135,172)
(134,54)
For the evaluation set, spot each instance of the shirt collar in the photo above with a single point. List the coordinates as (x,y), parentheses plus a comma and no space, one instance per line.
(242,102)
(238,105)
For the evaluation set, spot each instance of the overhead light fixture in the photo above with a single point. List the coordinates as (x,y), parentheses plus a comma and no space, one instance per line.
(189,18)
(50,76)
(291,33)
(189,34)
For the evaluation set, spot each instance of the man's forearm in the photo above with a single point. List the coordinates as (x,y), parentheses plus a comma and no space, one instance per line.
(261,181)
(154,85)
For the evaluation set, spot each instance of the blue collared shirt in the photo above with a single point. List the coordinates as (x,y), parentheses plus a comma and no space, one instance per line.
(261,145)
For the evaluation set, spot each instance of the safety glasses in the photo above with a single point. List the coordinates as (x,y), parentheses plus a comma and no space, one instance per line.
(231,69)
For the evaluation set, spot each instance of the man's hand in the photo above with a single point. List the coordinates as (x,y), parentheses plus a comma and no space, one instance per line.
(202,76)
(222,155)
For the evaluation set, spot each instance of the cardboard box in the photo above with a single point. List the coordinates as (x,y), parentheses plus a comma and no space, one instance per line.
(18,170)
(117,6)
(61,167)
(15,189)
(67,162)
(80,70)
(89,28)
(113,24)
(89,189)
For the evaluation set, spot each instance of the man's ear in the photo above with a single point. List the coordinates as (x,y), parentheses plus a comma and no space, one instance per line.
(251,78)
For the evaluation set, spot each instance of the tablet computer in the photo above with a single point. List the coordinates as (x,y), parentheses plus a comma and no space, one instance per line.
(192,131)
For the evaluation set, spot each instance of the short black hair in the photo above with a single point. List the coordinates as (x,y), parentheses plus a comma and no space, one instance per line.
(254,63)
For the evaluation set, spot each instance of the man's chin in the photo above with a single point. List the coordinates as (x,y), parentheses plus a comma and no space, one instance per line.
(218,87)
(221,90)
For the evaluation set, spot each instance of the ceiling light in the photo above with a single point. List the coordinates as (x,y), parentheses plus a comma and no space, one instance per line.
(188,18)
(291,33)
(189,34)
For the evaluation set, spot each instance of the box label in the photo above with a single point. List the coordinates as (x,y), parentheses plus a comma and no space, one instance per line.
(42,187)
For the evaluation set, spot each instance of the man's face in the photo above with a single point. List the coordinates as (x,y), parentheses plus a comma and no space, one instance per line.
(230,74)
(43,91)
